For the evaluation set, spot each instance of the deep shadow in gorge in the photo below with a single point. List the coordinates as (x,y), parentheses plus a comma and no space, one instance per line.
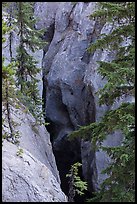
(64,162)
(67,155)
(68,152)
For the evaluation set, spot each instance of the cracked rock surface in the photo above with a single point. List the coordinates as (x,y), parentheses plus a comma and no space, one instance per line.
(32,176)
(26,179)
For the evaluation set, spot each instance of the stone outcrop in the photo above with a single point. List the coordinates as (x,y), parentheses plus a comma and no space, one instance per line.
(26,179)
(31,176)
(71,80)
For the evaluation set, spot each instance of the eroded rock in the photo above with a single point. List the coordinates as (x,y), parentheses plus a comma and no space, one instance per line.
(32,176)
(26,179)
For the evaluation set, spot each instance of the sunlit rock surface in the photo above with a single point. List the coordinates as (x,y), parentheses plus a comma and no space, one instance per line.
(26,179)
(33,175)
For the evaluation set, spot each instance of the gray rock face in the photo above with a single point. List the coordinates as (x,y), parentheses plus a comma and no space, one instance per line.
(64,67)
(26,179)
(33,176)
(71,81)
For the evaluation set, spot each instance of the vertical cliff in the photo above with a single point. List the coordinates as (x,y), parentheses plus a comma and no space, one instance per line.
(70,81)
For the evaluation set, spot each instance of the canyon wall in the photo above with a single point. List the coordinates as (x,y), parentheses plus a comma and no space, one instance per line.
(70,83)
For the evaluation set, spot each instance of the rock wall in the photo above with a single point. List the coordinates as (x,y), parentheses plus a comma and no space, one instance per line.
(26,179)
(70,82)
(31,176)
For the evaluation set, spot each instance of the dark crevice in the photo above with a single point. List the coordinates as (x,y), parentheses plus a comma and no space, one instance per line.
(49,33)
(66,157)
(86,57)
(66,154)
(47,37)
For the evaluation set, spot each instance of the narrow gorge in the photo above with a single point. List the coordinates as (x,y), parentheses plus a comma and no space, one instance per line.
(69,81)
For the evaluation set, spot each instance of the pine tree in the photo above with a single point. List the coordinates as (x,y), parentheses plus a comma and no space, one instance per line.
(30,41)
(120,75)
(8,93)
(15,16)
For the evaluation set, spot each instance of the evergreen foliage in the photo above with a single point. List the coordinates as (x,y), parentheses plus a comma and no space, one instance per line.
(9,97)
(120,75)
(27,68)
(19,152)
(19,74)
(21,18)
(76,185)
